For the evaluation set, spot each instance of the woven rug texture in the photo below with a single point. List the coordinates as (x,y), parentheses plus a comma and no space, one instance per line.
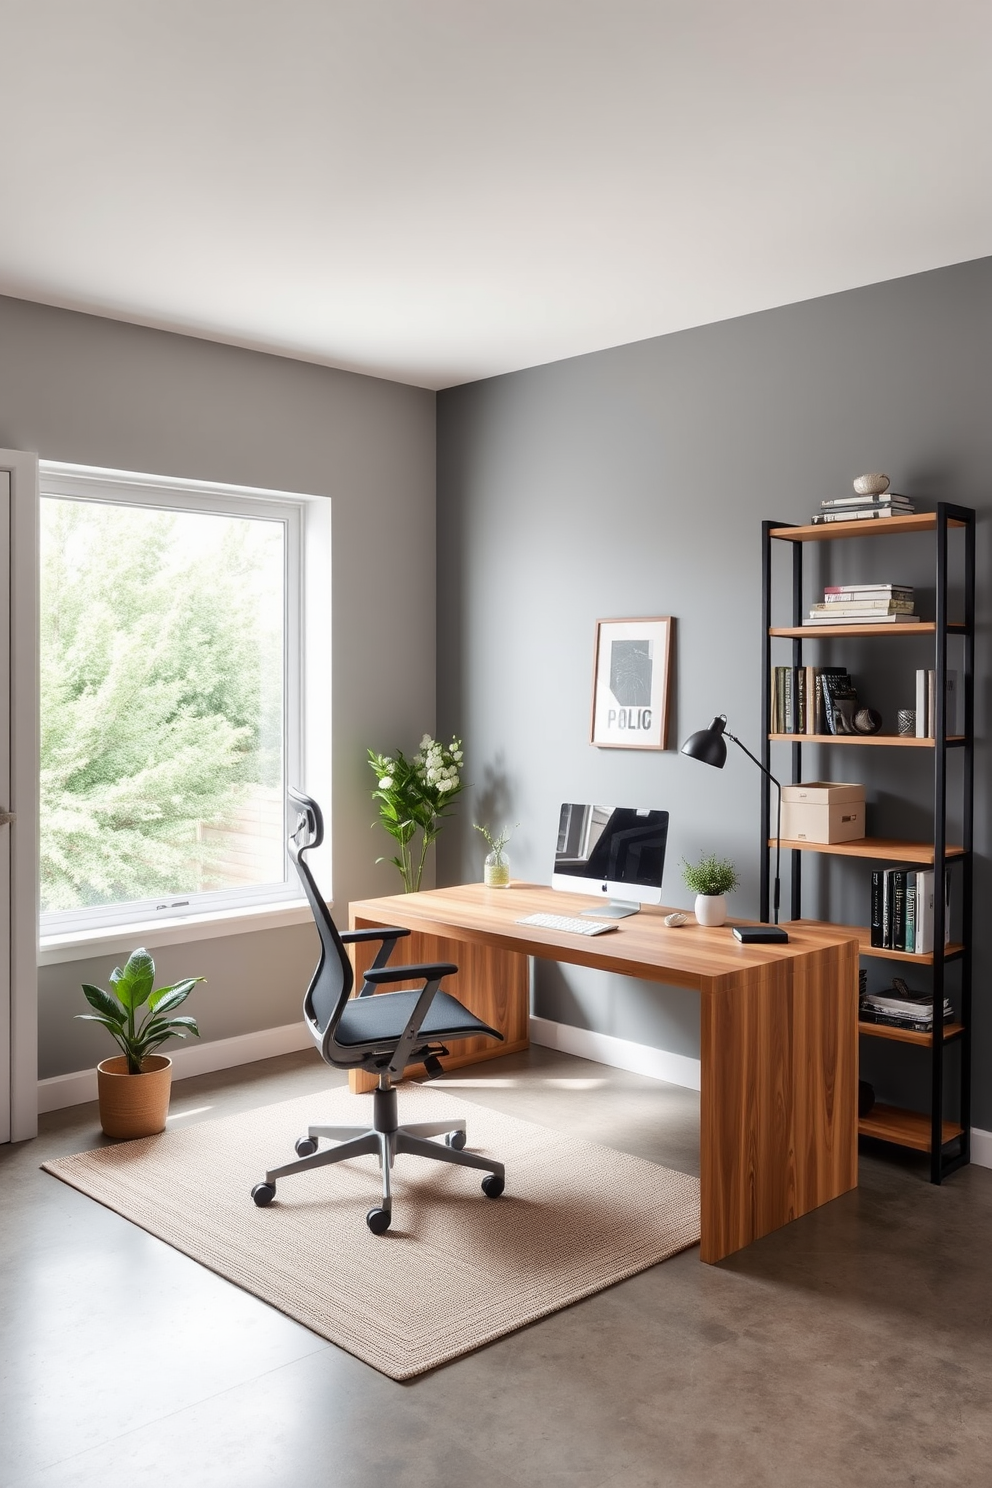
(455,1271)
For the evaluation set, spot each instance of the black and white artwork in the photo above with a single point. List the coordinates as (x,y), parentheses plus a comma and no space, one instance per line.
(630,686)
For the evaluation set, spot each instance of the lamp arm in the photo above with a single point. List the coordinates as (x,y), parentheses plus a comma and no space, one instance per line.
(778,821)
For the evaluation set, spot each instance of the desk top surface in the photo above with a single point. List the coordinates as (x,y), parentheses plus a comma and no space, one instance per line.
(690,955)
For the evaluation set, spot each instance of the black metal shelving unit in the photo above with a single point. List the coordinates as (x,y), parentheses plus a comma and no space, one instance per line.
(946,1140)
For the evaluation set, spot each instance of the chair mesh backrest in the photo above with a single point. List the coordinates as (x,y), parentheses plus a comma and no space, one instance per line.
(333,980)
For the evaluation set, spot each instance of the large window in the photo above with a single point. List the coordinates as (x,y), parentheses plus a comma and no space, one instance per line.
(171,678)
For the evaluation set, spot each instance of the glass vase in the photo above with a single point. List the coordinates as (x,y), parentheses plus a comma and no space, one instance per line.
(496,872)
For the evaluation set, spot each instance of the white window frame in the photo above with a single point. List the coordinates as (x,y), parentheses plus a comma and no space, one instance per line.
(306,720)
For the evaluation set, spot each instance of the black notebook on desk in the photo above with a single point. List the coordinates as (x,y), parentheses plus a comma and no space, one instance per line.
(760,934)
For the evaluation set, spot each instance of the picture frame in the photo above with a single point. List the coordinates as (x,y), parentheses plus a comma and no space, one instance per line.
(630,683)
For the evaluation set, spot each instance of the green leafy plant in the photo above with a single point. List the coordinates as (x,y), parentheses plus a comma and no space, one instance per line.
(711,875)
(498,842)
(416,795)
(132,988)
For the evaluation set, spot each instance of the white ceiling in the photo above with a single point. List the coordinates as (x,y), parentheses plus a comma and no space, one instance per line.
(439,190)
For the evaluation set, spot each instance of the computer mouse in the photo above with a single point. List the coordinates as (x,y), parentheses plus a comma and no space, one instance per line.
(676,919)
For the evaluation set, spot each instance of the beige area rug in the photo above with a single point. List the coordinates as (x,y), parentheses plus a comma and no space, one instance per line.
(456,1269)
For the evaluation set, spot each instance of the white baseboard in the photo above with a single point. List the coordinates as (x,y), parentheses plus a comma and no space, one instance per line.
(193,1059)
(677,1069)
(202,1059)
(981,1148)
(603,1048)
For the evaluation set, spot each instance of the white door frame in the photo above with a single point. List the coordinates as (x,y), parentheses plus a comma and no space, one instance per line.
(23,803)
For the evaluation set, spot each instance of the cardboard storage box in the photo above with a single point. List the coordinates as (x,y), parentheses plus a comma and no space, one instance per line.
(823,811)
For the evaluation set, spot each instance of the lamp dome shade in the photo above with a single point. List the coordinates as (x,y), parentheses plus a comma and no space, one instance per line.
(708,744)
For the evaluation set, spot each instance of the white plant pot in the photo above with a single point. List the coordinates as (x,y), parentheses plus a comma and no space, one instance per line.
(711,909)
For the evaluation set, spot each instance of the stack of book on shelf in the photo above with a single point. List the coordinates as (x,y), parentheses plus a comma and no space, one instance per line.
(898,1007)
(926,708)
(855,508)
(902,910)
(812,700)
(864,604)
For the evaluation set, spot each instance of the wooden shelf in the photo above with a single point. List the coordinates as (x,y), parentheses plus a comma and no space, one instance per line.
(862,527)
(907,1035)
(862,934)
(904,1128)
(824,632)
(901,741)
(889,848)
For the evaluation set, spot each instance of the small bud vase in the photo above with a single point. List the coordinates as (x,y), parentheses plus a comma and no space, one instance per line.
(710,909)
(496,871)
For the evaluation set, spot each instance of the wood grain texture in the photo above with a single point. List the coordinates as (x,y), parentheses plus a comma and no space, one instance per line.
(876,527)
(821,632)
(492,983)
(779,1094)
(872,847)
(905,1128)
(779,1033)
(642,946)
(899,741)
(909,1035)
(862,933)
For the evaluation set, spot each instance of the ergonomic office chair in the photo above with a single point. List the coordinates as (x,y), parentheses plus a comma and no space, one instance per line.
(381,1035)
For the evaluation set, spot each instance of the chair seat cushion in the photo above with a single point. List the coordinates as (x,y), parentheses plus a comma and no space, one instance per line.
(382,1018)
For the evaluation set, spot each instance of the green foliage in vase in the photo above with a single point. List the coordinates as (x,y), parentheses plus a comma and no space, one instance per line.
(133,986)
(416,795)
(710,875)
(497,843)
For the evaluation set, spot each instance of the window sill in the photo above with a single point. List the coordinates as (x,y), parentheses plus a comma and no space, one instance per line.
(112,940)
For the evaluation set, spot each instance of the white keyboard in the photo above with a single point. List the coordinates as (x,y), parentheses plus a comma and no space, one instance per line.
(567,923)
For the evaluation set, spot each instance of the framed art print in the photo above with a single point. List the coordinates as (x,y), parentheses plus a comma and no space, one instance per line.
(630,683)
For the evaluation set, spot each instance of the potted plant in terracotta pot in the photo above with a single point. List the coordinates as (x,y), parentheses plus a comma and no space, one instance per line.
(134,1086)
(710,880)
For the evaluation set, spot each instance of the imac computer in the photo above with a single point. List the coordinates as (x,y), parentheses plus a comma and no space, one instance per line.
(617,852)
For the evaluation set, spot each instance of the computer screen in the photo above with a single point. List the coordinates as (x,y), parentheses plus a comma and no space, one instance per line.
(614,852)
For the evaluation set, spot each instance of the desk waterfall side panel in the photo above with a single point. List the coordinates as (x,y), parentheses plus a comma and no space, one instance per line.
(778,1113)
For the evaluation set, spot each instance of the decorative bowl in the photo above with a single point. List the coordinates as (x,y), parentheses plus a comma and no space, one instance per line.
(871,485)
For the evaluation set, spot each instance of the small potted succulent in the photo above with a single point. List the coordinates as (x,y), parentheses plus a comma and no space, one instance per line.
(134,1086)
(496,869)
(710,879)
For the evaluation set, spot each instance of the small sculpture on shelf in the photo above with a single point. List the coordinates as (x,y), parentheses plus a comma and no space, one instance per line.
(867,721)
(871,485)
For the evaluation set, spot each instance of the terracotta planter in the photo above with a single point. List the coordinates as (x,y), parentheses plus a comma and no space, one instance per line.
(134,1105)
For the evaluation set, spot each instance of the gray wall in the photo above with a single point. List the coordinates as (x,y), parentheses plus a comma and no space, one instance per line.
(633,482)
(82,389)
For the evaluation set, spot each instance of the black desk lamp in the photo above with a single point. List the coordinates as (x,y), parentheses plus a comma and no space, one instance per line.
(710,746)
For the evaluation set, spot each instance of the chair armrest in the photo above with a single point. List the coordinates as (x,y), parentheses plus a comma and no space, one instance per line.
(430,973)
(389,932)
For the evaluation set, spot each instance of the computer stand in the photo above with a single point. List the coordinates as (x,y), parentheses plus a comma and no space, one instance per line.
(613,909)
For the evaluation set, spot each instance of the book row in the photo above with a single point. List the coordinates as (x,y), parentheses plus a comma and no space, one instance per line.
(854,508)
(813,700)
(902,910)
(926,699)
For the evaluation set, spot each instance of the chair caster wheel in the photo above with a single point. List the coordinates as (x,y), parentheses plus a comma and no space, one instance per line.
(263,1194)
(306,1147)
(378,1220)
(455,1139)
(493,1186)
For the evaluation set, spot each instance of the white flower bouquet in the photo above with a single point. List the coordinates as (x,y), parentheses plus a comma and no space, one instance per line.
(416,795)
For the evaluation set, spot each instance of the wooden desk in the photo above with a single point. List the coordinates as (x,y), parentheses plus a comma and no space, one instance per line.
(778,1101)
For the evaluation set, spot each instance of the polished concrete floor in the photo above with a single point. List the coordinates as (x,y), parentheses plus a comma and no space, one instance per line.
(851,1348)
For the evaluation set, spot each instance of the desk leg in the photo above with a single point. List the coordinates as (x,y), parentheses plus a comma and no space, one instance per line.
(493,984)
(778,1108)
